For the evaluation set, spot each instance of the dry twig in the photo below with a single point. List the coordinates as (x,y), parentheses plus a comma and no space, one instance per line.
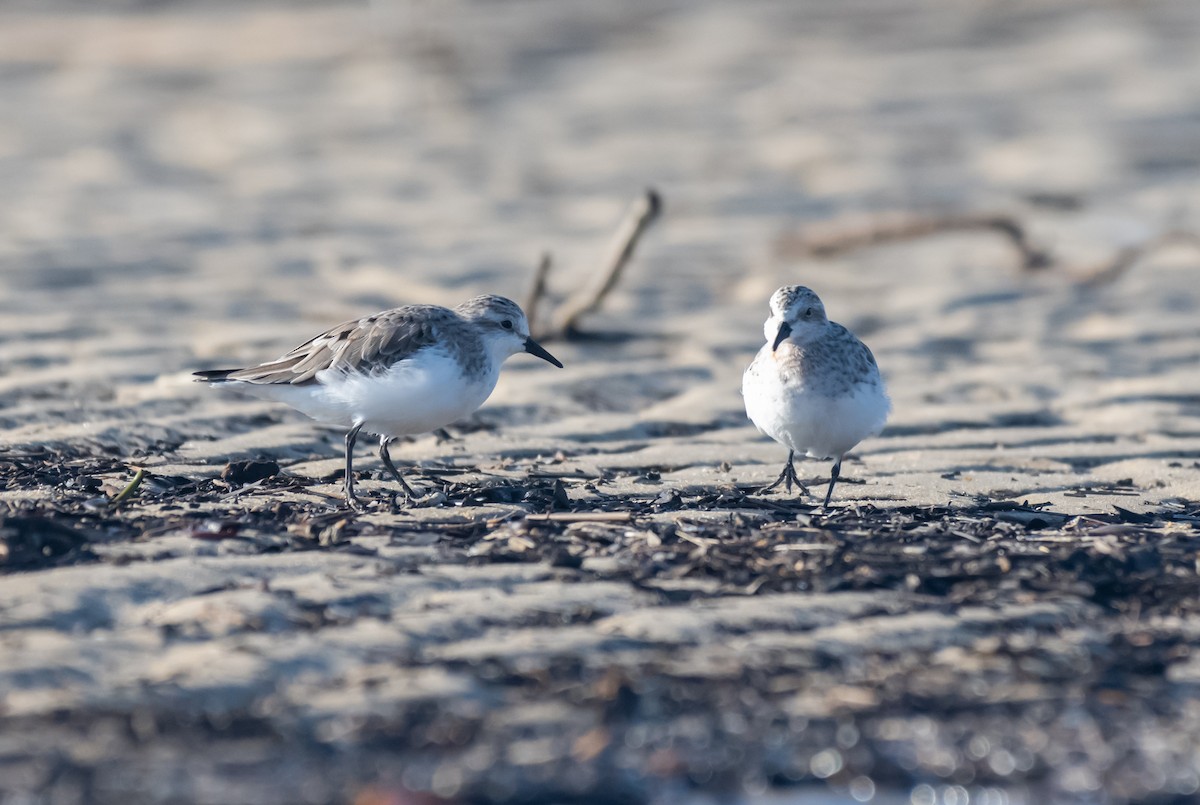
(580,517)
(565,320)
(836,237)
(1130,256)
(537,289)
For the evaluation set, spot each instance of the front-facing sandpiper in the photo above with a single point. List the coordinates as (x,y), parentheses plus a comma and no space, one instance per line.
(401,372)
(813,387)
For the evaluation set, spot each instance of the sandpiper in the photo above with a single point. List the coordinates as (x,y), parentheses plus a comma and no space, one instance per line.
(813,387)
(404,371)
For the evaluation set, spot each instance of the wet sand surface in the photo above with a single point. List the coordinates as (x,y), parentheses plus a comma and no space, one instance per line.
(592,602)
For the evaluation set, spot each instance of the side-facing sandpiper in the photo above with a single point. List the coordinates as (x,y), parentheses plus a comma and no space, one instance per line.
(401,372)
(813,387)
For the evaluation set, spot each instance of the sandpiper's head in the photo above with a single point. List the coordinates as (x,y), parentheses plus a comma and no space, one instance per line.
(796,313)
(503,325)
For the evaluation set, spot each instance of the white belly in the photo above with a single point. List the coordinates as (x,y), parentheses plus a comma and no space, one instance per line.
(413,396)
(811,423)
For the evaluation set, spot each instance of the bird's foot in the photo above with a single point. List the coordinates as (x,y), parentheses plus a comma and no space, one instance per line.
(783,476)
(354,503)
(787,478)
(407,497)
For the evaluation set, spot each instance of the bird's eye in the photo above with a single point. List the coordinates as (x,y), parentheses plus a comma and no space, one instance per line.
(808,313)
(506,324)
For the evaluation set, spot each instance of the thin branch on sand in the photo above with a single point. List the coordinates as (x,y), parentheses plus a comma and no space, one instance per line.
(840,236)
(836,237)
(537,289)
(1128,257)
(564,322)
(580,517)
(639,216)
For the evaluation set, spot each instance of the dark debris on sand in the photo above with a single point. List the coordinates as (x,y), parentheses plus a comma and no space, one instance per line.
(1123,561)
(1062,704)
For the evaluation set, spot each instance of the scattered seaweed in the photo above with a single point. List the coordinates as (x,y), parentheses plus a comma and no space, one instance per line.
(999,702)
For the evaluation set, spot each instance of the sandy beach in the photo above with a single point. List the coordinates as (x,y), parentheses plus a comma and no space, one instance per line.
(592,603)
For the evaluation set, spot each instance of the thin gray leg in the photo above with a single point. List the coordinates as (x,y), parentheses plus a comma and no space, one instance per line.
(351,437)
(833,476)
(384,441)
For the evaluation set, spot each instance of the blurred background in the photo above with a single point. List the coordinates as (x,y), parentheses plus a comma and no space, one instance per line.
(372,150)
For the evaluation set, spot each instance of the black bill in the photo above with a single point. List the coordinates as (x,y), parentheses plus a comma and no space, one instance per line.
(534,348)
(785,330)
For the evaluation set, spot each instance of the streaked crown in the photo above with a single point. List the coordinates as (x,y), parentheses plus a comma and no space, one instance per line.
(498,311)
(791,300)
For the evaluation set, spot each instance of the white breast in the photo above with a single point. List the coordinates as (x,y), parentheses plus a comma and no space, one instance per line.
(809,422)
(423,393)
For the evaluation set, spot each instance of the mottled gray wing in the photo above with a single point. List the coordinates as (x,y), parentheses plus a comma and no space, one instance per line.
(365,346)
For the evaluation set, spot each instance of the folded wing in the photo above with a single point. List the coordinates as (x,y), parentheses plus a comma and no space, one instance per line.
(363,346)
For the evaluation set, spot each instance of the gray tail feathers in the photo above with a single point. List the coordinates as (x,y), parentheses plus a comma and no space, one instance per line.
(213,375)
